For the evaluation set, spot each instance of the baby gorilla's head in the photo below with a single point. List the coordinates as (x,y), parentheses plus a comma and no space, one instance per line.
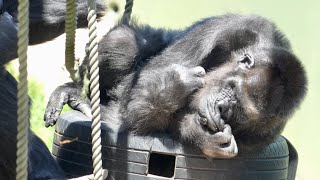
(255,92)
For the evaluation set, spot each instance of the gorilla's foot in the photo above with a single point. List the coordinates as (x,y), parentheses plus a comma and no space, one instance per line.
(69,93)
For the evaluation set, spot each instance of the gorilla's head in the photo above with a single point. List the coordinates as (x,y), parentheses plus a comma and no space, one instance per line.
(255,92)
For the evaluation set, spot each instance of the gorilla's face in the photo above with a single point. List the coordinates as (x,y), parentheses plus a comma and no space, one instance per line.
(236,93)
(234,90)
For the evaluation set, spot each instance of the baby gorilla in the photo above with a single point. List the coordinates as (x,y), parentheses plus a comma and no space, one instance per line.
(231,71)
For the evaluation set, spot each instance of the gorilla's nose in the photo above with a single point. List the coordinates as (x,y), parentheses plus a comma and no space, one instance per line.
(224,108)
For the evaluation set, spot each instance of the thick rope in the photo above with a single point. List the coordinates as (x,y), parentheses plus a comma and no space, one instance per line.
(127,12)
(23,100)
(94,91)
(70,26)
(94,84)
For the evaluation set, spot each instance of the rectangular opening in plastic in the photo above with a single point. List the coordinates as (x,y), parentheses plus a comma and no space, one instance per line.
(162,164)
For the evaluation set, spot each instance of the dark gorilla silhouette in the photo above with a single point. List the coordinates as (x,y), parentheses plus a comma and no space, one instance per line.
(228,72)
(47,18)
(46,22)
(41,165)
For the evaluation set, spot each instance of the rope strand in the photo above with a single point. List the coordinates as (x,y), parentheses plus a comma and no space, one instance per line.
(94,91)
(23,99)
(127,12)
(70,25)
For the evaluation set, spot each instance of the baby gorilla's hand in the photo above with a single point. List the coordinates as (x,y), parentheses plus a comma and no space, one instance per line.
(219,144)
(191,78)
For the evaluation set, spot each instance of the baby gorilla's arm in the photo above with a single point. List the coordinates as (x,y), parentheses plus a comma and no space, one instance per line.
(158,94)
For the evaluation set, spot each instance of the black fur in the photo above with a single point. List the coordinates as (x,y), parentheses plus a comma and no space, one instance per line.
(231,70)
(46,22)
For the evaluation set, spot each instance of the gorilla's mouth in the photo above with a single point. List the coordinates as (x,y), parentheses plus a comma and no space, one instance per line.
(219,109)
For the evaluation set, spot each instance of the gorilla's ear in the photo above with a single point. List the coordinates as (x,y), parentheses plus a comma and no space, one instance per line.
(247,61)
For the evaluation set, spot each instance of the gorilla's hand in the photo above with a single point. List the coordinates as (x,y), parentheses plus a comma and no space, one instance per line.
(70,94)
(191,78)
(219,144)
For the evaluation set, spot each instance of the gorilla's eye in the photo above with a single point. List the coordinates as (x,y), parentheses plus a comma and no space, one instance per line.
(203,121)
(246,61)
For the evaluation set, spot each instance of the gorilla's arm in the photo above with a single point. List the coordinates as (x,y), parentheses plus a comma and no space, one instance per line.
(157,94)
(47,21)
(47,18)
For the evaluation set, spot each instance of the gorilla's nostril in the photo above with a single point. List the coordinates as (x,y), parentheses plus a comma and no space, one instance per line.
(223,107)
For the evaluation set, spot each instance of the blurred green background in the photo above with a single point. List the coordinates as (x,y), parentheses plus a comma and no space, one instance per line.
(299,20)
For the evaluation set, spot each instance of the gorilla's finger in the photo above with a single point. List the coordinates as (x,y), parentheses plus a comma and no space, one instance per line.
(198,71)
(227,129)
